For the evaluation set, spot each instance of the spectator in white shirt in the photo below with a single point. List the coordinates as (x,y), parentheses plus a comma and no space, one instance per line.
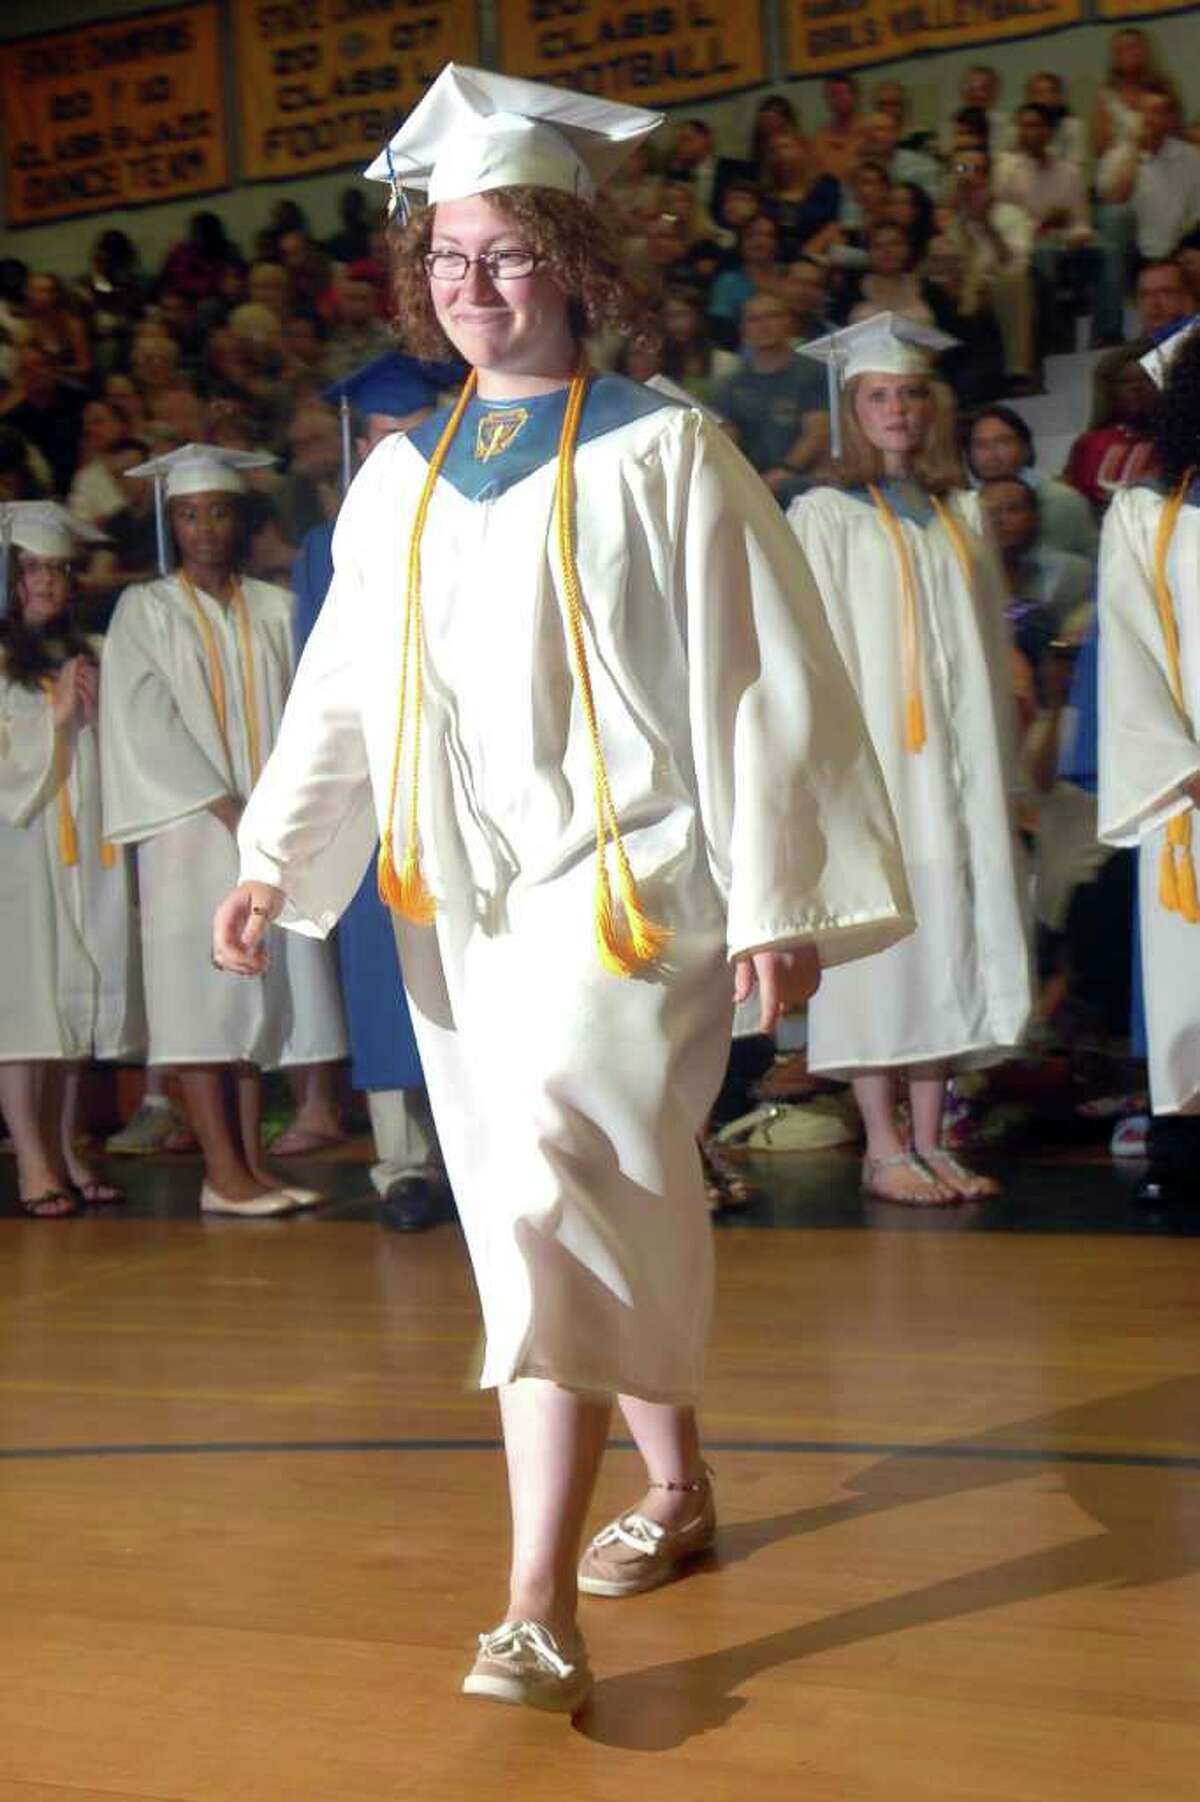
(1159,177)
(881,144)
(1051,193)
(980,87)
(1069,138)
(993,241)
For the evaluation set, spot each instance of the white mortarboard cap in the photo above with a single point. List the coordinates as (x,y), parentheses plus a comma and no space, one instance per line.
(887,344)
(195,469)
(474,131)
(47,529)
(1157,362)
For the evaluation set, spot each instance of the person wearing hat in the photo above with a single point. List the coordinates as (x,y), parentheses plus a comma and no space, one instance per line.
(197,666)
(392,393)
(1150,750)
(917,604)
(68,965)
(574,672)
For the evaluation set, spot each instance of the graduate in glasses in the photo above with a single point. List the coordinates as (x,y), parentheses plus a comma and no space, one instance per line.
(574,672)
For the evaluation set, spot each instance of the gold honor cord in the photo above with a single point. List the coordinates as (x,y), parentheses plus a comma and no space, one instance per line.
(914,706)
(621,951)
(68,837)
(216,674)
(1177,869)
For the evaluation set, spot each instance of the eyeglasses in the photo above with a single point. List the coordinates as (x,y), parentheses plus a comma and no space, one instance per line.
(501,265)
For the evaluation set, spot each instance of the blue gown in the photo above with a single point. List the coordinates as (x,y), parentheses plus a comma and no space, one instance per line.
(382,1046)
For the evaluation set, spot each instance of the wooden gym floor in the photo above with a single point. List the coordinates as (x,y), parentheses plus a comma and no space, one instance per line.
(251,1517)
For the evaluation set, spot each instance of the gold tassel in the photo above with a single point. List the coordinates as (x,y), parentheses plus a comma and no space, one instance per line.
(404,890)
(914,724)
(68,840)
(1176,875)
(108,854)
(1168,888)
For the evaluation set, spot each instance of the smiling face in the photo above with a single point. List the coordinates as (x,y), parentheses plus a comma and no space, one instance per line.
(894,411)
(43,588)
(206,528)
(516,327)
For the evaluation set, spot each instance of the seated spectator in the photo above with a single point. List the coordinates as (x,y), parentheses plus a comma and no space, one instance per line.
(688,357)
(358,332)
(757,272)
(775,404)
(890,284)
(1046,588)
(94,492)
(311,490)
(968,131)
(353,239)
(633,193)
(177,416)
(806,291)
(802,202)
(741,200)
(836,147)
(1121,450)
(1132,73)
(121,391)
(112,295)
(1050,192)
(892,97)
(14,284)
(197,264)
(309,274)
(867,202)
(1163,302)
(1068,137)
(910,206)
(1000,444)
(131,554)
(179,317)
(881,144)
(703,258)
(1157,175)
(665,249)
(979,89)
(267,286)
(58,330)
(1187,255)
(304,352)
(974,368)
(691,158)
(992,240)
(773,113)
(48,412)
(153,362)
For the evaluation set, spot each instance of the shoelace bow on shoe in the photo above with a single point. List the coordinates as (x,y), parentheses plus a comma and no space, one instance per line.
(635,1531)
(517,1638)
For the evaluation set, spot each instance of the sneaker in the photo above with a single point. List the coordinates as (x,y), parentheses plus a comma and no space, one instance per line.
(522,1662)
(147,1130)
(634,1553)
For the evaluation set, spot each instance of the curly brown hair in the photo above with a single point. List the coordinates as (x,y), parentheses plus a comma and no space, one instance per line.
(577,240)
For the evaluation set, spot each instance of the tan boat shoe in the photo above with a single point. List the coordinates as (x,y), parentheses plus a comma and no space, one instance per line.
(522,1662)
(634,1553)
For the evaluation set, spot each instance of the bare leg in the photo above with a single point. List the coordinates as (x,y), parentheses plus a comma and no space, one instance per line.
(29,1097)
(318,1110)
(875,1093)
(553,1442)
(669,1440)
(80,1171)
(928,1090)
(205,1095)
(249,1113)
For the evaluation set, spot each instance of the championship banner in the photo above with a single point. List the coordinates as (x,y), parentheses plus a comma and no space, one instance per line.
(113,115)
(822,36)
(1142,9)
(322,83)
(649,54)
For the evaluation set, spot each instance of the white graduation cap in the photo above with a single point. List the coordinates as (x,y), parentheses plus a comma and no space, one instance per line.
(474,131)
(195,469)
(887,344)
(44,528)
(1157,362)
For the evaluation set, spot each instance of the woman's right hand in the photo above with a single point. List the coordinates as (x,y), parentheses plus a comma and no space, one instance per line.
(240,925)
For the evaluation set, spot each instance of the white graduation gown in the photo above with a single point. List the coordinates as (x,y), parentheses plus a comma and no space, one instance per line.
(1148,749)
(69,975)
(164,760)
(567,1099)
(959,988)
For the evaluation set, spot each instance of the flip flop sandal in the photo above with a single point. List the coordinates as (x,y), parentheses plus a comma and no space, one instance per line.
(981,1187)
(727,1193)
(42,1207)
(871,1167)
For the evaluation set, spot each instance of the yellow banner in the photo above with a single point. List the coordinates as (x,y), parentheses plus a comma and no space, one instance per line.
(1142,9)
(649,54)
(822,35)
(113,115)
(322,83)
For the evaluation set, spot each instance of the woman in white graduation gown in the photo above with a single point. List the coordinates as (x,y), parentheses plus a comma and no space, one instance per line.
(1150,745)
(917,606)
(574,672)
(197,666)
(68,969)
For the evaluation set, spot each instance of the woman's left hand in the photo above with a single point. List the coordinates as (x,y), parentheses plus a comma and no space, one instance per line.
(785,981)
(239,926)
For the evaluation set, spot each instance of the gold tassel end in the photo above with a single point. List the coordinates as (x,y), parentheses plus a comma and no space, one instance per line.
(68,843)
(404,890)
(642,941)
(1168,888)
(914,724)
(108,854)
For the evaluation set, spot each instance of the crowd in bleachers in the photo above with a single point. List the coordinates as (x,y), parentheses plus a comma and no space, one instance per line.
(1016,227)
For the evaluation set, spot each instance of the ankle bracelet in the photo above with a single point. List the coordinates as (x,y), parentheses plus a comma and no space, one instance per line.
(703,1481)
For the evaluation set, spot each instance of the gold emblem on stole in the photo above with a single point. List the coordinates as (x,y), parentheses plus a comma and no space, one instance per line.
(496,431)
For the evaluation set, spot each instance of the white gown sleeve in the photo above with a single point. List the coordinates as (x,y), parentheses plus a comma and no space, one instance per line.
(800,832)
(1148,745)
(309,826)
(26,753)
(153,771)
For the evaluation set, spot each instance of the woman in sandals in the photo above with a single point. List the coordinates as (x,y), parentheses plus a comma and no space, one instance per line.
(573,671)
(68,966)
(917,606)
